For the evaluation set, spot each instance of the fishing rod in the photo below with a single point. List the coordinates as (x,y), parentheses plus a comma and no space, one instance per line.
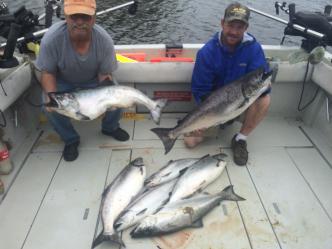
(295,26)
(315,27)
(132,10)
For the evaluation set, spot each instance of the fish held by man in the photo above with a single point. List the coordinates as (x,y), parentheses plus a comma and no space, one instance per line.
(182,214)
(117,196)
(89,104)
(224,104)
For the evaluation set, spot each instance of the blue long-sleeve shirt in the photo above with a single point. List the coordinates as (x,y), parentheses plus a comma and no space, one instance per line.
(215,66)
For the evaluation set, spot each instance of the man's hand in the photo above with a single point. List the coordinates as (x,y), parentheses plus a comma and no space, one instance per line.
(48,82)
(47,99)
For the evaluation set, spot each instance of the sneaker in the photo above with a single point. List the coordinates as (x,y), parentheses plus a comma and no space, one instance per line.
(70,152)
(240,153)
(119,134)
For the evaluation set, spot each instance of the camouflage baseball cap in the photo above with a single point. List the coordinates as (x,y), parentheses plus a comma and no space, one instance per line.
(237,11)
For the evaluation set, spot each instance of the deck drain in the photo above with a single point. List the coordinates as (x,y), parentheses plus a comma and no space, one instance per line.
(276,208)
(224,209)
(86,214)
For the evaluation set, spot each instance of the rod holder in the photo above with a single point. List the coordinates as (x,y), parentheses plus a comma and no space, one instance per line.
(49,14)
(7,60)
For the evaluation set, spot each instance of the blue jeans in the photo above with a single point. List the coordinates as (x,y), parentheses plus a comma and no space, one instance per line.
(63,126)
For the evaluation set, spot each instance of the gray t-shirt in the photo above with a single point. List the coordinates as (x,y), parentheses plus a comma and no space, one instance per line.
(58,57)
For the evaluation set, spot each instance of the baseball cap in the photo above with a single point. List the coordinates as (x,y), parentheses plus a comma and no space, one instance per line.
(237,11)
(87,7)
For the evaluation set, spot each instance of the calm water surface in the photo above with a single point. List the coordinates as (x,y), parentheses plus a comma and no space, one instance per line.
(182,21)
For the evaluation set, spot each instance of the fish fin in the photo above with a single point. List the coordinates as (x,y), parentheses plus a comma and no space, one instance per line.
(165,202)
(205,156)
(182,171)
(82,116)
(97,241)
(230,195)
(167,174)
(220,156)
(106,190)
(167,199)
(142,211)
(150,178)
(191,195)
(162,133)
(158,209)
(156,112)
(144,190)
(197,224)
(115,238)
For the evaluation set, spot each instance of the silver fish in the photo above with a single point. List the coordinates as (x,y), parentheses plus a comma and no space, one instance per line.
(181,214)
(117,196)
(170,171)
(224,104)
(146,204)
(88,104)
(198,176)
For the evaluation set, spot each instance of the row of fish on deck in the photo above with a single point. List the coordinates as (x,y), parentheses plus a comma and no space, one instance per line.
(224,104)
(167,201)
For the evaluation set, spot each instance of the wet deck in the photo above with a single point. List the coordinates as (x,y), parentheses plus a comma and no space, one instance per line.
(54,204)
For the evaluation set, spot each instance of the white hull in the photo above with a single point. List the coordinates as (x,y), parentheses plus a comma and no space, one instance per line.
(50,203)
(14,82)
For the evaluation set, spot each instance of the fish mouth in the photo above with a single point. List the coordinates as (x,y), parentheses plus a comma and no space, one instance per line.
(52,103)
(138,162)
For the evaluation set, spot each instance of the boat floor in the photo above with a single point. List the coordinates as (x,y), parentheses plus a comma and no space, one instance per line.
(51,203)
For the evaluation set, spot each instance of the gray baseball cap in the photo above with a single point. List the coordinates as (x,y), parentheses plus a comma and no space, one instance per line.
(237,11)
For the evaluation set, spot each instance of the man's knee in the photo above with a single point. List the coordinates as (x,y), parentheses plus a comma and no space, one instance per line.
(193,139)
(262,103)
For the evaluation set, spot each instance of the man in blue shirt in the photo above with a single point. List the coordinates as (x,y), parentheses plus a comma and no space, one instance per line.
(229,55)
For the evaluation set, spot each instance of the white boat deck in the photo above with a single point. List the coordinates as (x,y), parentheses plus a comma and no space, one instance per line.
(54,204)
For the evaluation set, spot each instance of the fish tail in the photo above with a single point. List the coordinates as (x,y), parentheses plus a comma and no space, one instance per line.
(156,112)
(229,194)
(113,238)
(162,133)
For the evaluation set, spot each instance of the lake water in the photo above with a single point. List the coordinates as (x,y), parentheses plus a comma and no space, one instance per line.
(183,21)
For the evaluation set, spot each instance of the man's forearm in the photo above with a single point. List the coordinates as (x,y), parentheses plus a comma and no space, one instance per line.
(48,82)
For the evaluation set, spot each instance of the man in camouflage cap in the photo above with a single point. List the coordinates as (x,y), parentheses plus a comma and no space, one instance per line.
(230,54)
